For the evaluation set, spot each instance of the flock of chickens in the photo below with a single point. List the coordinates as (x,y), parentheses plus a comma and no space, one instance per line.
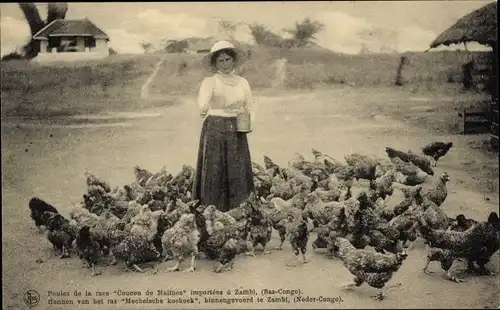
(155,219)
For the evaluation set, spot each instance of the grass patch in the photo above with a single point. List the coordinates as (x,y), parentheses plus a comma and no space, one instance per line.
(114,83)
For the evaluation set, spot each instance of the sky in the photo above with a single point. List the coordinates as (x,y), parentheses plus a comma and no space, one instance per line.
(349,25)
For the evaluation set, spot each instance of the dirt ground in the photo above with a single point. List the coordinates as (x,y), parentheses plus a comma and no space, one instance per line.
(48,158)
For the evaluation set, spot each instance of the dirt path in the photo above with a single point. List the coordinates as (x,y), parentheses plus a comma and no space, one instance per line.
(49,161)
(145,87)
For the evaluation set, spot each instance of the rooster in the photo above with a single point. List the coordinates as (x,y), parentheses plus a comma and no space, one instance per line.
(88,249)
(182,241)
(297,234)
(259,228)
(376,269)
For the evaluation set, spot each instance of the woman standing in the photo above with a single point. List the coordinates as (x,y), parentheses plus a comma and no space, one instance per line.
(224,169)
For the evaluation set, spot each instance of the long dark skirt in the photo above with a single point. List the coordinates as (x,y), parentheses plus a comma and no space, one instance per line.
(224,170)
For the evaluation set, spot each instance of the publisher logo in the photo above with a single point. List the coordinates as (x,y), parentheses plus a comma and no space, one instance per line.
(31,298)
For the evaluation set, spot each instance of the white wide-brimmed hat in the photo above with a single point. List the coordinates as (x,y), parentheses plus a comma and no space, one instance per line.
(221,45)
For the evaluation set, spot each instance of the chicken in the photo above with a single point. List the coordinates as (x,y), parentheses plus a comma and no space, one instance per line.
(312,169)
(276,212)
(183,180)
(296,177)
(145,224)
(406,227)
(88,249)
(492,245)
(132,250)
(100,230)
(435,217)
(272,167)
(37,208)
(412,198)
(382,210)
(243,211)
(176,208)
(372,229)
(222,237)
(421,162)
(222,245)
(391,153)
(333,183)
(133,210)
(263,184)
(60,237)
(119,208)
(297,234)
(182,241)
(160,179)
(83,216)
(259,228)
(438,192)
(328,161)
(141,175)
(337,224)
(162,225)
(413,174)
(284,190)
(436,150)
(383,185)
(476,244)
(383,166)
(376,269)
(92,180)
(344,173)
(321,212)
(462,224)
(364,165)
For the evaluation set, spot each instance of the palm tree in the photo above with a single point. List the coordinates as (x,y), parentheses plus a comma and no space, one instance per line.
(264,36)
(305,31)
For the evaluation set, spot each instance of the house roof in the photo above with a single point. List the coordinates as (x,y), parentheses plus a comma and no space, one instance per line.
(81,27)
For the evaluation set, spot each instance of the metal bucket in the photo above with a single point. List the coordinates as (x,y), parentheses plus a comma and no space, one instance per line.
(243,122)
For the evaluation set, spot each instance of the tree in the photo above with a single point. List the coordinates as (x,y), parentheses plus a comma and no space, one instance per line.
(229,27)
(264,36)
(176,46)
(55,10)
(305,31)
(146,47)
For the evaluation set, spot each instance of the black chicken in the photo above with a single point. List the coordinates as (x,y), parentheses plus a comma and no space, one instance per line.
(437,150)
(38,207)
(57,232)
(88,249)
(462,223)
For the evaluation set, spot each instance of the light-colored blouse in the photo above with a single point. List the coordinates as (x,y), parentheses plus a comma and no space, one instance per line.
(225,95)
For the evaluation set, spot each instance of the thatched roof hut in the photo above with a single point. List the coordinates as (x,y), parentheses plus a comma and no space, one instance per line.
(478,26)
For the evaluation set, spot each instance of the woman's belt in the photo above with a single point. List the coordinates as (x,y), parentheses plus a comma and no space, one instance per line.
(222,112)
